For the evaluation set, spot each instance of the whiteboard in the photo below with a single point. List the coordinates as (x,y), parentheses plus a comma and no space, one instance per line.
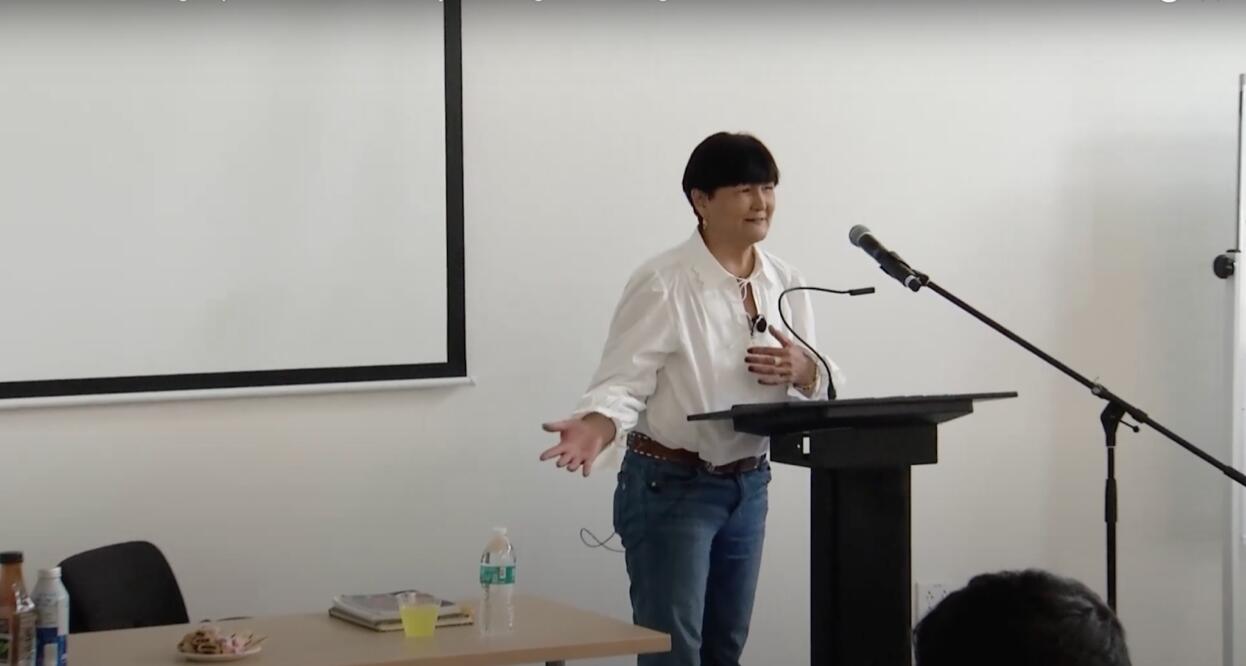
(218,194)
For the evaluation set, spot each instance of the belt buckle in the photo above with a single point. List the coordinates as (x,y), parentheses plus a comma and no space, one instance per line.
(732,467)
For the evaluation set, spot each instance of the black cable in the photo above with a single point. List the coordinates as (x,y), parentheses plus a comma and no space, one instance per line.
(598,543)
(605,543)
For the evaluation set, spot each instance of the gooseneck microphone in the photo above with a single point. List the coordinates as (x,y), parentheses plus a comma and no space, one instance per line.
(889,261)
(831,393)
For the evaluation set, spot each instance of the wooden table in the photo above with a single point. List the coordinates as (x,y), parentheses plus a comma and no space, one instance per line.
(545,631)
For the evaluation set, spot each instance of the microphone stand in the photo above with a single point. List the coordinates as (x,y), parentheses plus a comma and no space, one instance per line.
(1112,416)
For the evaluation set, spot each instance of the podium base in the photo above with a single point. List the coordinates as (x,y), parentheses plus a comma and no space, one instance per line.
(860,540)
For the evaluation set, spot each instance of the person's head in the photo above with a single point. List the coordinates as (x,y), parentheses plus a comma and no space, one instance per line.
(730,181)
(1021,618)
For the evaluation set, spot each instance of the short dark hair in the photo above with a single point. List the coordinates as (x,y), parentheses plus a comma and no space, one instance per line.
(725,159)
(1021,618)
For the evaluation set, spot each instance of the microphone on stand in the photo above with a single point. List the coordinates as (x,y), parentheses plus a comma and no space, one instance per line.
(889,261)
(1111,417)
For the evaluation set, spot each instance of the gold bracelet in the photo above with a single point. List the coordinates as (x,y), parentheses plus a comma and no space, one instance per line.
(808,388)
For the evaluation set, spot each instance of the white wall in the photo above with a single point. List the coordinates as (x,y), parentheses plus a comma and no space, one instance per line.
(1069,170)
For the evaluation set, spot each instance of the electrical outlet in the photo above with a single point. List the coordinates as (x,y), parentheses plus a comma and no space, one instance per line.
(926,596)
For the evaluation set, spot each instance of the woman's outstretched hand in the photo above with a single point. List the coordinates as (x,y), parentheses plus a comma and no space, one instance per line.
(580,441)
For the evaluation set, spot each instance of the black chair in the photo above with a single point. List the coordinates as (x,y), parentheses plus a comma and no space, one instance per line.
(122,586)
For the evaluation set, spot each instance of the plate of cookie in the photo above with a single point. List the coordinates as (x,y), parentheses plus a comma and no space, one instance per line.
(210,644)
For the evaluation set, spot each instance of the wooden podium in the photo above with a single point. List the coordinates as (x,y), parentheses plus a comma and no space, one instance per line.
(859,453)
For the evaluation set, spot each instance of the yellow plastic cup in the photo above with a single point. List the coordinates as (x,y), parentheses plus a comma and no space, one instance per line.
(418,613)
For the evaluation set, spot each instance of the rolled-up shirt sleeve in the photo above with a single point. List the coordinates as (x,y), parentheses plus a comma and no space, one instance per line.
(800,312)
(642,334)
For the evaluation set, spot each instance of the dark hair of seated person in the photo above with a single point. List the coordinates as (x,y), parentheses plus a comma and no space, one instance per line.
(1021,618)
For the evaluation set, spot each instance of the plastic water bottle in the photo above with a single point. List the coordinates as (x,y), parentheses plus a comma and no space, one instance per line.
(497,578)
(52,627)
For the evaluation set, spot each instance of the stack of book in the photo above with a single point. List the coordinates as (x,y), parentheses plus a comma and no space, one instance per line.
(379,612)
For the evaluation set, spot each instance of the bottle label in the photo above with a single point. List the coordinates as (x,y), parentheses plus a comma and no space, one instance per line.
(497,575)
(21,643)
(52,645)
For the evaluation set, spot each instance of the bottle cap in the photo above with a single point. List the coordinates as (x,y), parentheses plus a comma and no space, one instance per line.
(54,572)
(11,557)
(500,531)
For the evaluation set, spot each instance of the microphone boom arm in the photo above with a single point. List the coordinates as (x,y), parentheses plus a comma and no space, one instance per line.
(1112,415)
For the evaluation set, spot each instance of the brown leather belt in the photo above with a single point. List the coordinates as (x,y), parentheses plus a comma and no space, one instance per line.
(650,448)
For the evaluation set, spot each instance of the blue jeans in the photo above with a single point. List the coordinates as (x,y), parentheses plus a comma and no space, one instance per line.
(694,543)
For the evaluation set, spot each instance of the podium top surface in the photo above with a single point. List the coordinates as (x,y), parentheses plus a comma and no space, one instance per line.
(772,418)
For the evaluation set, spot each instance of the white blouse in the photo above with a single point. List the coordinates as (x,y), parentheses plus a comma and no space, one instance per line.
(677,344)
